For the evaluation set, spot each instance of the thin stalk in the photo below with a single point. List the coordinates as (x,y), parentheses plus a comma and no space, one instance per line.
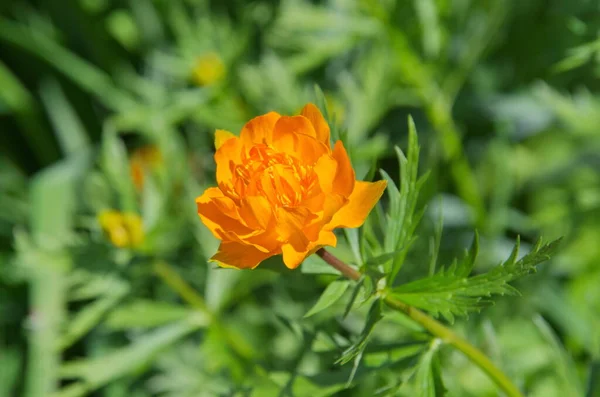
(435,328)
(336,263)
(182,288)
(47,289)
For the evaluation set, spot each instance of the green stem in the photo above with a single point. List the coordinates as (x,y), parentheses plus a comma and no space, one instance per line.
(444,333)
(181,287)
(195,300)
(47,290)
(435,328)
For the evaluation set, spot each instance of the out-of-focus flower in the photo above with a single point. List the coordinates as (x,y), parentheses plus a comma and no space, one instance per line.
(141,161)
(208,69)
(282,189)
(122,229)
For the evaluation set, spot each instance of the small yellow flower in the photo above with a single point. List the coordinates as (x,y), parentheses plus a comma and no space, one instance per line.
(122,229)
(142,160)
(208,69)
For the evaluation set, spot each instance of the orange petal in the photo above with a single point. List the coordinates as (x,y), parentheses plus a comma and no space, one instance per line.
(313,113)
(222,136)
(330,205)
(227,156)
(296,135)
(220,215)
(290,222)
(326,169)
(256,211)
(344,178)
(239,256)
(362,200)
(293,257)
(326,237)
(259,129)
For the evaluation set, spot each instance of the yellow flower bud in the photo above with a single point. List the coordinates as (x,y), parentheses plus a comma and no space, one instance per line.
(124,230)
(208,69)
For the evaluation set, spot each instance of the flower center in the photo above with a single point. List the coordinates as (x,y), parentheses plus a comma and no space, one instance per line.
(279,177)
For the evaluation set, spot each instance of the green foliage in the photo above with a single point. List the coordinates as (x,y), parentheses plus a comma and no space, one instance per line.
(402,218)
(507,144)
(451,292)
(332,293)
(357,348)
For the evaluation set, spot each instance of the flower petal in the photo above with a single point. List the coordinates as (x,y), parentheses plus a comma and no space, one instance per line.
(222,136)
(362,200)
(326,170)
(259,129)
(227,156)
(290,223)
(330,206)
(256,211)
(344,178)
(296,135)
(219,214)
(239,256)
(313,113)
(293,257)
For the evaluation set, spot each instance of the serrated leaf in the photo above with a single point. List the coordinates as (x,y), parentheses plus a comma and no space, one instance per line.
(332,294)
(451,292)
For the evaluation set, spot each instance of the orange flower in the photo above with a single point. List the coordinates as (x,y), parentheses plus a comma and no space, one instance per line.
(282,190)
(142,160)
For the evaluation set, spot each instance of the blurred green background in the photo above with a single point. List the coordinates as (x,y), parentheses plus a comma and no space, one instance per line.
(107,114)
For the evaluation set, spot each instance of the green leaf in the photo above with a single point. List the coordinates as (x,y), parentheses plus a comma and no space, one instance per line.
(451,292)
(402,217)
(382,259)
(145,314)
(92,314)
(332,294)
(564,365)
(427,378)
(115,165)
(69,129)
(89,77)
(53,208)
(352,236)
(10,362)
(15,96)
(56,188)
(427,14)
(315,265)
(97,372)
(375,314)
(355,292)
